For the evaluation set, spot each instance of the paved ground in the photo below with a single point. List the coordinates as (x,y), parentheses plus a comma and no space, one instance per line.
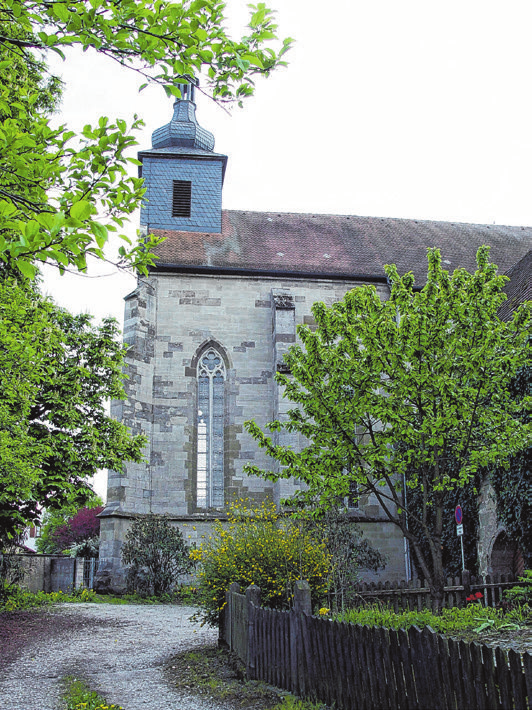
(120,650)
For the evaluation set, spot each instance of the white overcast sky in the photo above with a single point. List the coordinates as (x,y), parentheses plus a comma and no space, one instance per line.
(418,109)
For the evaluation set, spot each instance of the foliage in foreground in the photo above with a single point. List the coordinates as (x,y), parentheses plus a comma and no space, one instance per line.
(473,616)
(62,196)
(58,372)
(258,546)
(78,696)
(156,554)
(412,392)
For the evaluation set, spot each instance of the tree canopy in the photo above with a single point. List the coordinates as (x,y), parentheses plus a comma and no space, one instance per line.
(58,371)
(62,195)
(411,393)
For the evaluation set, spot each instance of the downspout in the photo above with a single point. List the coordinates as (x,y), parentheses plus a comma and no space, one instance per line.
(408,565)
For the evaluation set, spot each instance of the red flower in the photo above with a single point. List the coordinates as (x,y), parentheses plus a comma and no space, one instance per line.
(478,595)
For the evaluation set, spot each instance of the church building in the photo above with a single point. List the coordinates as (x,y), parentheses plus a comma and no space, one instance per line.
(208,328)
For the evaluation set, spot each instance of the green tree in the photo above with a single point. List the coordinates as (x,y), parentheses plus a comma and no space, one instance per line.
(58,371)
(513,483)
(412,391)
(58,521)
(156,554)
(62,195)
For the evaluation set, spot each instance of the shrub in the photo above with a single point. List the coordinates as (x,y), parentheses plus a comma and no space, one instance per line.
(349,552)
(156,554)
(522,594)
(448,621)
(258,546)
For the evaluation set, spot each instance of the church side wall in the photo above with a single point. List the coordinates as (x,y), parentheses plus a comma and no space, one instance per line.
(182,315)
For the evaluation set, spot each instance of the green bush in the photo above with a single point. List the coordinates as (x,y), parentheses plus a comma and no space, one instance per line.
(259,547)
(522,594)
(448,621)
(156,553)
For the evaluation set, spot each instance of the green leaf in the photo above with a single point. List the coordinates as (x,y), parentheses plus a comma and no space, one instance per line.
(81,210)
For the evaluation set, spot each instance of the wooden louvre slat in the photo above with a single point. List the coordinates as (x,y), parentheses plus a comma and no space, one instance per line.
(181,198)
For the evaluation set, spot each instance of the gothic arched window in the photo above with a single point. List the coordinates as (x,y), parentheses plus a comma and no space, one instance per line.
(211,406)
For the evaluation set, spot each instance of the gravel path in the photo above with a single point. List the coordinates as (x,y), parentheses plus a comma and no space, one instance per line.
(119,650)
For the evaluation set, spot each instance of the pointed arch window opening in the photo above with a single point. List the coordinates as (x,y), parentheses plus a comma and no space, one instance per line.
(211,407)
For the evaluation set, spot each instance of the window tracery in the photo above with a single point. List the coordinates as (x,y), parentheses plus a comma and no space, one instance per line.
(210,450)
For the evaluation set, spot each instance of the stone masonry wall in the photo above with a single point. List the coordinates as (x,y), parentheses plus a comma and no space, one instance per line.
(170,320)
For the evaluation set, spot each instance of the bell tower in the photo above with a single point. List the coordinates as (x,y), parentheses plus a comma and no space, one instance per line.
(183,175)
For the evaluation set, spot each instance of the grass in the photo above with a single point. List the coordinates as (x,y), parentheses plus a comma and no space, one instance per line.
(78,696)
(14,598)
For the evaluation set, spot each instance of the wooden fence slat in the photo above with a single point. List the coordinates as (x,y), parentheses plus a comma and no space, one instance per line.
(389,684)
(527,665)
(489,670)
(419,661)
(408,670)
(503,678)
(349,657)
(337,637)
(517,680)
(371,676)
(467,675)
(356,678)
(376,669)
(456,673)
(431,668)
(447,687)
(395,659)
(362,666)
(479,680)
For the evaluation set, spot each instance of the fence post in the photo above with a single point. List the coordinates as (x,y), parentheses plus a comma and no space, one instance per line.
(302,605)
(227,614)
(252,602)
(466,583)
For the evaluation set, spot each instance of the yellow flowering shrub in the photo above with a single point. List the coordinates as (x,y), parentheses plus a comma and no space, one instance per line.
(258,546)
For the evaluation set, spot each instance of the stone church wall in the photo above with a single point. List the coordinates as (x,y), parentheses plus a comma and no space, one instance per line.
(170,320)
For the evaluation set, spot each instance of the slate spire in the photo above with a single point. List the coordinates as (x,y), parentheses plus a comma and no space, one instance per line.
(183,129)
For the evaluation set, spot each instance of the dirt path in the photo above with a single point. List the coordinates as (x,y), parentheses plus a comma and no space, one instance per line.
(119,650)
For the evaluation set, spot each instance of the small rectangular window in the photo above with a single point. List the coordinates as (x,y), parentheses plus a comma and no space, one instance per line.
(181,198)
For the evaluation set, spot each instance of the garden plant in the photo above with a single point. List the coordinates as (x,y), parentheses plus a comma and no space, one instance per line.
(258,546)
(156,554)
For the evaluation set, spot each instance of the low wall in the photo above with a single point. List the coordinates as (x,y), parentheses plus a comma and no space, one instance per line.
(50,573)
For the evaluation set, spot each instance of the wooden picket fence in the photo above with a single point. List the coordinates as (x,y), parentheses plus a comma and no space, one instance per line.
(415,594)
(362,668)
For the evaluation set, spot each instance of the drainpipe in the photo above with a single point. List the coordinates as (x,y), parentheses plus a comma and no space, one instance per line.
(408,566)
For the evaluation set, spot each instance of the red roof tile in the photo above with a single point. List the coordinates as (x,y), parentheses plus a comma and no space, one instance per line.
(337,246)
(519,288)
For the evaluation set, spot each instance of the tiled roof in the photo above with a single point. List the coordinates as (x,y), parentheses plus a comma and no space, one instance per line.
(337,246)
(519,288)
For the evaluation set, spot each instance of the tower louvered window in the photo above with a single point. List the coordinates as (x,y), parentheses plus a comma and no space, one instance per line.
(181,198)
(211,407)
